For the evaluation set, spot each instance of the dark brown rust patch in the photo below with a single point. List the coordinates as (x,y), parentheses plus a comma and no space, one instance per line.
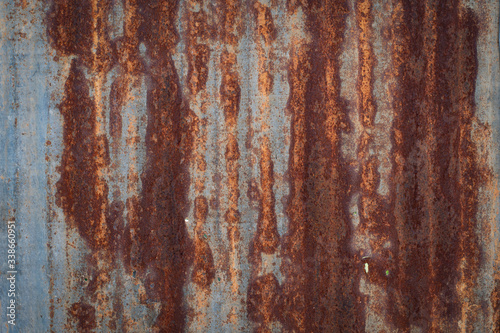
(266,238)
(165,259)
(69,26)
(264,301)
(81,28)
(163,251)
(203,270)
(230,90)
(198,54)
(436,177)
(495,301)
(294,306)
(320,287)
(265,22)
(128,45)
(81,192)
(230,94)
(83,315)
(118,98)
(376,221)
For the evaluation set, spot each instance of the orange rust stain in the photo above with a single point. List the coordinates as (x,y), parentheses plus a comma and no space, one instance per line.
(230,94)
(364,22)
(319,290)
(267,237)
(266,80)
(264,291)
(203,269)
(265,23)
(376,219)
(128,45)
(198,54)
(118,98)
(230,89)
(294,306)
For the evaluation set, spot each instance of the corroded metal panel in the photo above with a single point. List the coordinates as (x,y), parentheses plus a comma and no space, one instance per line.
(250,166)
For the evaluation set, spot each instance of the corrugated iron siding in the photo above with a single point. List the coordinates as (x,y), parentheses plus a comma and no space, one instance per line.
(252,165)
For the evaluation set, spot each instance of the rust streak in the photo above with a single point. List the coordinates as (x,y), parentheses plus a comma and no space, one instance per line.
(320,285)
(162,264)
(230,94)
(364,22)
(263,294)
(198,56)
(437,176)
(203,270)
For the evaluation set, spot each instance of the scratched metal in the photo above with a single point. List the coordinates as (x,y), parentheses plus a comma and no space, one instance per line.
(251,165)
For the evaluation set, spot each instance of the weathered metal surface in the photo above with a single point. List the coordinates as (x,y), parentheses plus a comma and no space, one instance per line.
(257,165)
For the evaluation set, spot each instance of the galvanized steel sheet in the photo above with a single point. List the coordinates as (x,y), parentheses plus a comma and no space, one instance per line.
(250,166)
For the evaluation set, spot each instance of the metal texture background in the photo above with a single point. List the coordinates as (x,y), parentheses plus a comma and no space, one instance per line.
(251,165)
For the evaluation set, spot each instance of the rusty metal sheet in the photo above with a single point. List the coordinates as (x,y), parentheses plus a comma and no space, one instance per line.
(249,166)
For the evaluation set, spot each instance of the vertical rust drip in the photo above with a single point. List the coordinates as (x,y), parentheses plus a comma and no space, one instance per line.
(364,21)
(267,237)
(120,95)
(84,155)
(198,55)
(472,175)
(436,167)
(495,301)
(376,220)
(263,295)
(86,148)
(131,68)
(401,51)
(162,264)
(230,93)
(321,278)
(294,288)
(203,270)
(82,192)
